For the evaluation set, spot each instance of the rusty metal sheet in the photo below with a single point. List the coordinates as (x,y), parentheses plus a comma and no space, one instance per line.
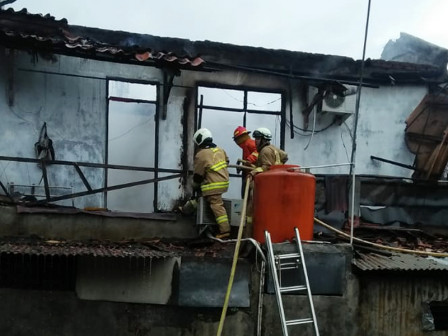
(392,304)
(398,262)
(155,248)
(99,249)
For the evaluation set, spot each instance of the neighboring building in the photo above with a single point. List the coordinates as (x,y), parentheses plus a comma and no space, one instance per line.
(90,243)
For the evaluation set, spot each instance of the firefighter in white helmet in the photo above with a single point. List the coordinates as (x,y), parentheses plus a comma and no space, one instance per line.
(212,177)
(268,154)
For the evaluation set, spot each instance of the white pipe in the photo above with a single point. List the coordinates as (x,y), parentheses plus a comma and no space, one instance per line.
(253,241)
(352,215)
(321,166)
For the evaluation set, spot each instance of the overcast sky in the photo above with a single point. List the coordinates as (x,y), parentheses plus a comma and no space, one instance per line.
(333,27)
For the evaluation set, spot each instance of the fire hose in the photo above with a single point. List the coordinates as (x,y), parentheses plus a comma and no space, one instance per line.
(397,249)
(235,259)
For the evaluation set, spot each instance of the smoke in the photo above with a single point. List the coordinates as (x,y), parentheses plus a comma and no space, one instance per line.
(412,49)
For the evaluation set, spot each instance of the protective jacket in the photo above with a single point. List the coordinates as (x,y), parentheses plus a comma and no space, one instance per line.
(210,170)
(250,152)
(270,155)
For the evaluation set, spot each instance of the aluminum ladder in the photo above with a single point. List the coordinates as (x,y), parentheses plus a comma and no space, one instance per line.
(281,262)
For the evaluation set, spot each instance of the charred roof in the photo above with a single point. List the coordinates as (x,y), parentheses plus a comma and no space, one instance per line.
(39,33)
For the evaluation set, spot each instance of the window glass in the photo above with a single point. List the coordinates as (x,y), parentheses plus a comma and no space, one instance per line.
(222,122)
(221,97)
(131,142)
(132,90)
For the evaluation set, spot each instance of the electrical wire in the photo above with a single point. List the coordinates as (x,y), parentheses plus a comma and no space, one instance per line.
(385,247)
(268,103)
(296,129)
(349,130)
(312,133)
(345,148)
(253,104)
(131,129)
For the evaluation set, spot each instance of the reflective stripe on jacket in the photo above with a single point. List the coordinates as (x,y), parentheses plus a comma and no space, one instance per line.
(211,164)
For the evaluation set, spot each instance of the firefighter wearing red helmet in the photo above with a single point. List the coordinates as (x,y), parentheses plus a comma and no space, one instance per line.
(250,153)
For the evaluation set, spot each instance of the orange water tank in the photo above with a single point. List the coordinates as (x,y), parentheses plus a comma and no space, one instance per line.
(283,199)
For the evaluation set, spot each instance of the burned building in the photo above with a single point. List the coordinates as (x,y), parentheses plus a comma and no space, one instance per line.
(96,153)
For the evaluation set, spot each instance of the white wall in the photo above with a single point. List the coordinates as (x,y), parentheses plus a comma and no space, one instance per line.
(380,132)
(75,111)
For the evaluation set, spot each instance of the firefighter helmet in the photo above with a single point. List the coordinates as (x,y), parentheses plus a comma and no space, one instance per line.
(262,133)
(202,135)
(240,130)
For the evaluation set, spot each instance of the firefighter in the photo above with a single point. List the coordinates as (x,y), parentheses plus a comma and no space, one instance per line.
(268,154)
(250,153)
(212,177)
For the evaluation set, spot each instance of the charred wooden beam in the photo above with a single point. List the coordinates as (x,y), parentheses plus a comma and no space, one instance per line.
(393,162)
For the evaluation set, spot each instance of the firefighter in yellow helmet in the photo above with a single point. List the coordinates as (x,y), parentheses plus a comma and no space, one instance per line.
(212,177)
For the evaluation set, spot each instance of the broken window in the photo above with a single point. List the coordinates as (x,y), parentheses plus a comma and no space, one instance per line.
(221,110)
(43,272)
(435,315)
(131,141)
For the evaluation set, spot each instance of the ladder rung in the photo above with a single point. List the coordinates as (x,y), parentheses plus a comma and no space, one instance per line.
(299,321)
(288,264)
(292,288)
(288,256)
(282,268)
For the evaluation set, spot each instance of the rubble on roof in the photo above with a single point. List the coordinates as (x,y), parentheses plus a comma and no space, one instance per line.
(154,248)
(404,238)
(373,258)
(397,262)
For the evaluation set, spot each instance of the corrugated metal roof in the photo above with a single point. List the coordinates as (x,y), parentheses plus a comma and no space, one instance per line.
(147,249)
(398,262)
(61,248)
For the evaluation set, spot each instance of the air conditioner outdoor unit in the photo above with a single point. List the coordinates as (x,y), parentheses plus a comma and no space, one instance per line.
(339,106)
(335,105)
(205,217)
